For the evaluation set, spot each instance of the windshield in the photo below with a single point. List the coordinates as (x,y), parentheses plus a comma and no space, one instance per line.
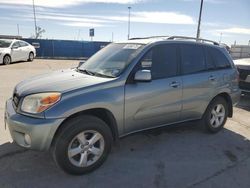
(112,60)
(5,43)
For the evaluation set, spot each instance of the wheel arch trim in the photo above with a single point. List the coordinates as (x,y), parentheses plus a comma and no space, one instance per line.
(228,99)
(101,113)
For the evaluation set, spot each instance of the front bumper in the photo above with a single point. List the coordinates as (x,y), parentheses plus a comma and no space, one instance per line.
(244,83)
(40,131)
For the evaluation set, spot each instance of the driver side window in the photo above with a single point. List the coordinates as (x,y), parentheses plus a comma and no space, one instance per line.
(16,45)
(161,60)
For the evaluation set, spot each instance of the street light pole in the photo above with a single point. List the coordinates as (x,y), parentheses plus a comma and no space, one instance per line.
(34,11)
(18,30)
(220,37)
(199,22)
(129,22)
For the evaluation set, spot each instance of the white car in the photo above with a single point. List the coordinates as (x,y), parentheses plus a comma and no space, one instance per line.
(12,50)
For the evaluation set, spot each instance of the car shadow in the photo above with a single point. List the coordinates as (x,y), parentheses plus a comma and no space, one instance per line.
(14,63)
(173,156)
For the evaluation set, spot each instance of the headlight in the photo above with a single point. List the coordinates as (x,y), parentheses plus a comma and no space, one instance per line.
(38,103)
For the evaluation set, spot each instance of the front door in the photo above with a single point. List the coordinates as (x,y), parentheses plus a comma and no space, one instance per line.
(158,102)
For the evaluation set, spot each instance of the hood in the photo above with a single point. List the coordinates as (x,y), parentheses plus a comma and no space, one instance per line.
(57,81)
(242,62)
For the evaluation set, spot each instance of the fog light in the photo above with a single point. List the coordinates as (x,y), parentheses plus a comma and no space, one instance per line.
(27,139)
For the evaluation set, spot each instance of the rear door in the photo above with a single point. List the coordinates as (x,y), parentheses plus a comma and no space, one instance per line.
(223,70)
(199,80)
(155,103)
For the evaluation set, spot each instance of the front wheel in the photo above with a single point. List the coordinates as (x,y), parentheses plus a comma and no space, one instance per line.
(216,115)
(7,60)
(82,145)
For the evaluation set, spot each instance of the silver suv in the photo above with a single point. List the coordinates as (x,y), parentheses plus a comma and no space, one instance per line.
(124,88)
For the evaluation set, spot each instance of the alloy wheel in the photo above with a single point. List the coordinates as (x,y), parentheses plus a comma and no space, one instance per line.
(86,148)
(7,60)
(217,116)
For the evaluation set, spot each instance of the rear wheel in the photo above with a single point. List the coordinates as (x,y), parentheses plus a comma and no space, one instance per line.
(82,145)
(7,60)
(31,56)
(216,115)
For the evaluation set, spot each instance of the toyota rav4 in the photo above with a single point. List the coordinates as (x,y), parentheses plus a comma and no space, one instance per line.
(124,88)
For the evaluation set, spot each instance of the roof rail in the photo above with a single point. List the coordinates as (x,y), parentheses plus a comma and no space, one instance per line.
(148,37)
(193,38)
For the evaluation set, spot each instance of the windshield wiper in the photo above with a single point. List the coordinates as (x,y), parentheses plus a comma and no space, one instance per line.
(102,75)
(85,71)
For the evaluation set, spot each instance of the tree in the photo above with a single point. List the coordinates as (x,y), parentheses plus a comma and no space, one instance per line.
(39,32)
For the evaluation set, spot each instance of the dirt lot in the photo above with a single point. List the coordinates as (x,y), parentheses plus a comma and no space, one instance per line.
(175,156)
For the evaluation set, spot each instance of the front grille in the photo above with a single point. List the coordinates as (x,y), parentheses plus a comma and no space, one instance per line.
(243,73)
(16,99)
(244,85)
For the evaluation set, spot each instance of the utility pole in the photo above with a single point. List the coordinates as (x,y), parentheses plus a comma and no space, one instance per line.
(78,35)
(199,22)
(112,37)
(34,11)
(129,8)
(18,29)
(220,37)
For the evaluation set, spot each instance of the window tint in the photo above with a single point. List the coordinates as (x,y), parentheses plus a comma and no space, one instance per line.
(193,59)
(162,61)
(219,58)
(147,60)
(209,60)
(22,44)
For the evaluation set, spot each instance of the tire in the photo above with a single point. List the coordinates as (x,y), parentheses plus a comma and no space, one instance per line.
(77,139)
(31,56)
(216,115)
(6,60)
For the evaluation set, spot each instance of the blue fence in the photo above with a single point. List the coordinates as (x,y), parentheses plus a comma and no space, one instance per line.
(65,48)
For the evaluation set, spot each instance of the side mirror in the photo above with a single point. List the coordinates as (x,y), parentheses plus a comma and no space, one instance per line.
(14,47)
(80,63)
(143,76)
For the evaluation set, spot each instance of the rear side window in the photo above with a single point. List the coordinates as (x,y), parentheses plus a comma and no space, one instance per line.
(22,44)
(162,61)
(192,59)
(209,60)
(219,58)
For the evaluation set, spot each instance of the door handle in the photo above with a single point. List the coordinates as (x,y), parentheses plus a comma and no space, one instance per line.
(212,78)
(175,84)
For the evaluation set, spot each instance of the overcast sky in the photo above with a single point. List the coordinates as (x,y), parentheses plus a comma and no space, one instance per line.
(71,19)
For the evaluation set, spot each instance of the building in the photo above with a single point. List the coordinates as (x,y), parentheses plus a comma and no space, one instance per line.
(240,51)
